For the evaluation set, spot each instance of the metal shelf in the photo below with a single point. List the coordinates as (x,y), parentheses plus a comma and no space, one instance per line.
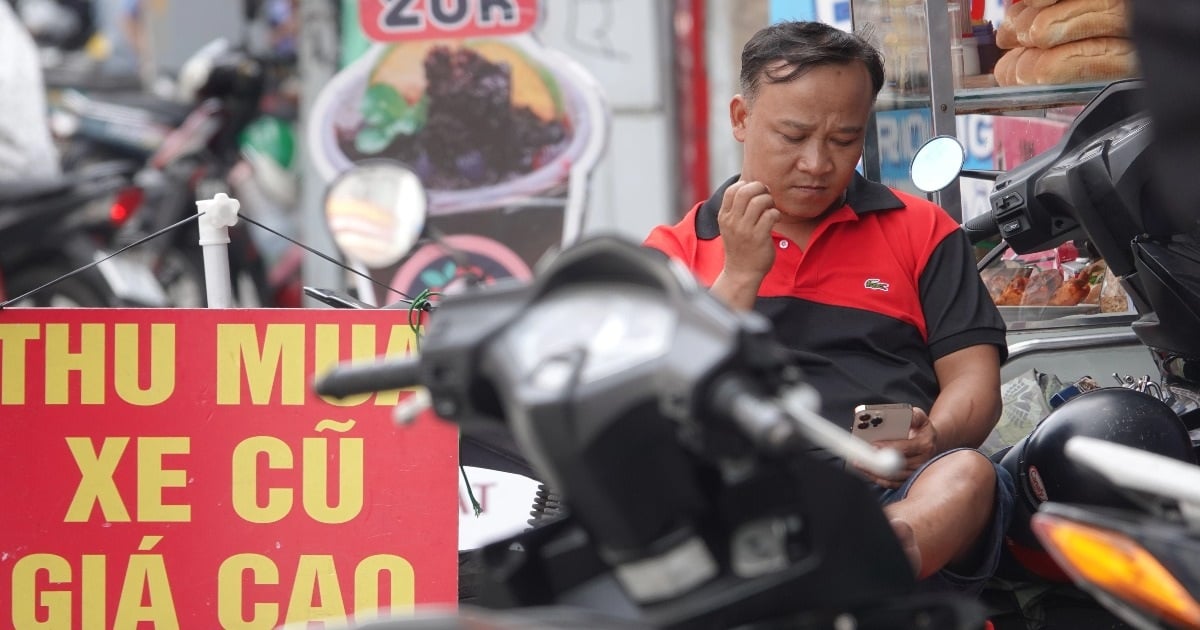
(996,100)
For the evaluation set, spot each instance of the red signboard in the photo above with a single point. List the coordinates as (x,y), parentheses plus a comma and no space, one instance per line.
(1019,139)
(401,20)
(172,468)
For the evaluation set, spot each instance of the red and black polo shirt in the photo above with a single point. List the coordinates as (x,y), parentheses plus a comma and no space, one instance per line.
(886,286)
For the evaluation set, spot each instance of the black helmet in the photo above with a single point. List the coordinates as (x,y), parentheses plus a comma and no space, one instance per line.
(1042,472)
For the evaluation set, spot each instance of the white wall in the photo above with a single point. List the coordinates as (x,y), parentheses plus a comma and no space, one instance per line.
(626,46)
(728,25)
(180,28)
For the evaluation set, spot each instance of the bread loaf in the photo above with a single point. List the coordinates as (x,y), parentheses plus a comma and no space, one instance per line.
(1037,4)
(1073,20)
(1026,70)
(1021,23)
(1006,67)
(1006,33)
(1092,59)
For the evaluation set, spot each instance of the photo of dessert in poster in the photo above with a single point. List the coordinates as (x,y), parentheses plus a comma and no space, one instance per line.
(502,131)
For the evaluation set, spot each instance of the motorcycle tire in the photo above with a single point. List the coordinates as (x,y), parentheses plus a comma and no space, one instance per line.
(72,292)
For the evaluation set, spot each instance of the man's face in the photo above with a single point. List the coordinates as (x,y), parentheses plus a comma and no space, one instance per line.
(804,138)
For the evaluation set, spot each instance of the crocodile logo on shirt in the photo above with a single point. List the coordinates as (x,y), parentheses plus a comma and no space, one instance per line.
(876,284)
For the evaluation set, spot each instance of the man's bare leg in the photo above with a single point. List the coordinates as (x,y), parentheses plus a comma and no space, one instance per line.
(947,509)
(908,542)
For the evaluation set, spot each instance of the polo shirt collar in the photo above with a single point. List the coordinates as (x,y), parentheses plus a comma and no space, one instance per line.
(862,195)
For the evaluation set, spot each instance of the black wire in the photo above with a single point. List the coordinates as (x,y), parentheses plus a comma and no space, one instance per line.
(458,256)
(403,295)
(93,264)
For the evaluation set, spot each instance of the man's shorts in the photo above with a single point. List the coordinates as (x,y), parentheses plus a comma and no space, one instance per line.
(973,581)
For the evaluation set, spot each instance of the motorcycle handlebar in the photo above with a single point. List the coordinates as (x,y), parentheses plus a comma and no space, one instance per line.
(758,418)
(349,379)
(777,426)
(981,228)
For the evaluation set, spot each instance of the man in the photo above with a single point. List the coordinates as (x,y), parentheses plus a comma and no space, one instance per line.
(875,290)
(26,149)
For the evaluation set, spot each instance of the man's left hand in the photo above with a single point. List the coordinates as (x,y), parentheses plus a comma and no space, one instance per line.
(920,447)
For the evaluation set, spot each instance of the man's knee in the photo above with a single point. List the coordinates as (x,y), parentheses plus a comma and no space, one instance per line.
(972,473)
(971,462)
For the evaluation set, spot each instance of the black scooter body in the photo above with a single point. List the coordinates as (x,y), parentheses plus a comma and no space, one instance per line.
(675,516)
(50,227)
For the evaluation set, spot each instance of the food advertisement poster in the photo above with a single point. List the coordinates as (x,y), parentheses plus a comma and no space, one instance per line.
(173,469)
(502,131)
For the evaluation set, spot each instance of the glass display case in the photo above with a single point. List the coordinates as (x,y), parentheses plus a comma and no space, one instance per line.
(939,61)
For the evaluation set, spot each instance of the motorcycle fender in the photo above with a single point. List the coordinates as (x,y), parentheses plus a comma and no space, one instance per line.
(130,279)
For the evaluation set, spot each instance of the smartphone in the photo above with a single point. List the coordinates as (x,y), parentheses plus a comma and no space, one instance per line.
(882,422)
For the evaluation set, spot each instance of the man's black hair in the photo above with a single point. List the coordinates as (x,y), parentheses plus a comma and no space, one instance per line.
(803,46)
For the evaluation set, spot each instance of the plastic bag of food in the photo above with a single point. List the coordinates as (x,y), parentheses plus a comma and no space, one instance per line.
(1095,272)
(1014,291)
(1113,298)
(1077,287)
(1041,286)
(997,277)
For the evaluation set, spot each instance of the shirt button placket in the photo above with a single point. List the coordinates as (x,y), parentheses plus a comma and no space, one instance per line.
(795,258)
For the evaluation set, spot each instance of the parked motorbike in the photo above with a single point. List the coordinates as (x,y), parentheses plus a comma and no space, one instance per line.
(192,149)
(679,437)
(53,233)
(1096,185)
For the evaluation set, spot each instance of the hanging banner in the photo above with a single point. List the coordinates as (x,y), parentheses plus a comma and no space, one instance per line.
(502,131)
(172,468)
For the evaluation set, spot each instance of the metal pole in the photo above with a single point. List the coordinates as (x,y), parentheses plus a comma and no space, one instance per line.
(318,55)
(941,91)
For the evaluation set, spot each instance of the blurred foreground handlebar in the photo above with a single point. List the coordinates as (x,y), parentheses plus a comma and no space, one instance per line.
(348,379)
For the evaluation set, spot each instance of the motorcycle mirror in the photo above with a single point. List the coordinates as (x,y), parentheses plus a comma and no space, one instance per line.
(376,212)
(937,163)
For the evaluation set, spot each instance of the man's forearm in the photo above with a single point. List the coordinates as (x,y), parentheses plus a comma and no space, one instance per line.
(968,406)
(739,292)
(963,418)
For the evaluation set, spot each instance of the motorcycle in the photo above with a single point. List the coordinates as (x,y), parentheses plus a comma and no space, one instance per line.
(52,242)
(190,150)
(1076,519)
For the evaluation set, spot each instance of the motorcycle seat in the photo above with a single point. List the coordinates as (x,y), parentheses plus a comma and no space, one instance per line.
(24,192)
(168,113)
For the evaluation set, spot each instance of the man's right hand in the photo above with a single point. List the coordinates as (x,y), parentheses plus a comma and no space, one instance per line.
(746,218)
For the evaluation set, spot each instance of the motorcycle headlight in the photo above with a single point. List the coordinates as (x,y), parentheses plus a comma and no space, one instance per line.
(610,328)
